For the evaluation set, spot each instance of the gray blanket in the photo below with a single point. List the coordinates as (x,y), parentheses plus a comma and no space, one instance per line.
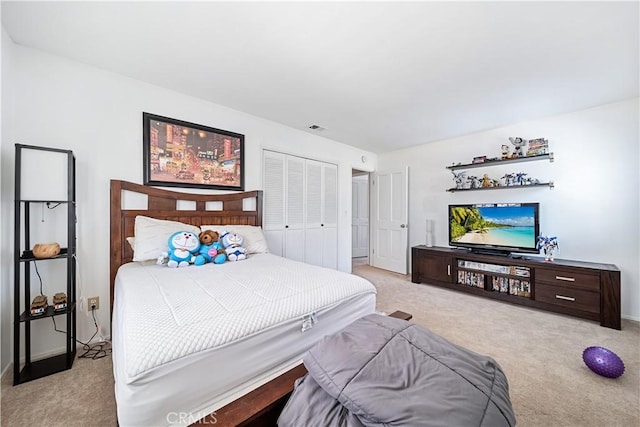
(381,371)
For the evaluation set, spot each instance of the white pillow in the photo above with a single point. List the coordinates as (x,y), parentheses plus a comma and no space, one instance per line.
(152,235)
(254,241)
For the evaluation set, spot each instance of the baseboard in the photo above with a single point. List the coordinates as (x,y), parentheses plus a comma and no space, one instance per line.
(57,351)
(6,370)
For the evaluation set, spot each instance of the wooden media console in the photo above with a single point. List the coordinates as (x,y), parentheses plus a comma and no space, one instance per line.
(582,289)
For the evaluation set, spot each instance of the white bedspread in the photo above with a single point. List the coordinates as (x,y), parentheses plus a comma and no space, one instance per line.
(169,314)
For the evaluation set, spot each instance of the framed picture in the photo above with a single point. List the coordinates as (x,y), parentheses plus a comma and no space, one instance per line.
(183,154)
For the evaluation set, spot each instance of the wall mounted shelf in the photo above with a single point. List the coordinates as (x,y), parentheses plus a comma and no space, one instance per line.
(542,184)
(489,163)
(500,162)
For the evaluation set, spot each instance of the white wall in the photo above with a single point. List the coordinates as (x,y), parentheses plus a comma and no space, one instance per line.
(98,114)
(6,207)
(593,209)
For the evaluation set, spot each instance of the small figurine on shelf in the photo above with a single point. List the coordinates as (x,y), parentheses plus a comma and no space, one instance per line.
(474,182)
(459,179)
(509,179)
(549,246)
(518,144)
(520,178)
(531,181)
(505,152)
(486,181)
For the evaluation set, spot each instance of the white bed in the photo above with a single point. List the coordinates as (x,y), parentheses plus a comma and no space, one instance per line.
(187,341)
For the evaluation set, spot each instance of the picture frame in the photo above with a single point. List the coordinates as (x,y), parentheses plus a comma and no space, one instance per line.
(177,153)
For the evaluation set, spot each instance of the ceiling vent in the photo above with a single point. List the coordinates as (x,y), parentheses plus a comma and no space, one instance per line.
(316,127)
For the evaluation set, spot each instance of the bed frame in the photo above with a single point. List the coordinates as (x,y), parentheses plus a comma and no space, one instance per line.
(162,204)
(261,406)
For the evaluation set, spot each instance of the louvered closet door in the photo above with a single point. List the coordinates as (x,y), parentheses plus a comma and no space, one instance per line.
(273,220)
(294,208)
(313,236)
(301,208)
(330,216)
(321,226)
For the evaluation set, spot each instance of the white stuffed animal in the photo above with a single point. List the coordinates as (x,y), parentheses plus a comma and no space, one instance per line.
(232,243)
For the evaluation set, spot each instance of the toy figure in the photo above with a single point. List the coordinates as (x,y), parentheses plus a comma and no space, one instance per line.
(549,245)
(505,152)
(459,179)
(474,182)
(518,144)
(183,247)
(486,182)
(211,249)
(520,178)
(232,243)
(509,179)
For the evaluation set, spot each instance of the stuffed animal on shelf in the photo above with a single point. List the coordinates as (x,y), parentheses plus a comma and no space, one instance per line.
(183,248)
(232,243)
(211,249)
(518,144)
(549,246)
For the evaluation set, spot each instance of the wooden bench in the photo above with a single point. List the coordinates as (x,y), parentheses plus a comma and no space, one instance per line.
(262,406)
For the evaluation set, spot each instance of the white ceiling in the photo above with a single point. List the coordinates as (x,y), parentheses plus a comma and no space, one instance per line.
(379,75)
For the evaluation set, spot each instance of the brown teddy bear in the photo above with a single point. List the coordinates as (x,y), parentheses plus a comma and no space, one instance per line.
(210,248)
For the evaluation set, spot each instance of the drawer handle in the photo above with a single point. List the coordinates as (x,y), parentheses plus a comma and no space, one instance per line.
(448,270)
(566,279)
(565,298)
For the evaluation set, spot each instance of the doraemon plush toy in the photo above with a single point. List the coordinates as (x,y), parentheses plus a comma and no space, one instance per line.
(232,243)
(211,249)
(183,246)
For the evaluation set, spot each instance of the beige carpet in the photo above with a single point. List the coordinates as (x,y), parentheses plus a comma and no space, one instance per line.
(540,352)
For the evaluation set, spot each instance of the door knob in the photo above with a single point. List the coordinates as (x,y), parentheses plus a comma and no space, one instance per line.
(402,226)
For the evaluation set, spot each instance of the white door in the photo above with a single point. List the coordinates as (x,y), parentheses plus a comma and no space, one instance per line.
(389,227)
(321,236)
(294,219)
(274,201)
(313,216)
(360,216)
(330,216)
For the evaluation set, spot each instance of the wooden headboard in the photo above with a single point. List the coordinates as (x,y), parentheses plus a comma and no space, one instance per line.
(162,204)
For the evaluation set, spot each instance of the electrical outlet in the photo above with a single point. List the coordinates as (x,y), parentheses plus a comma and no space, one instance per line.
(93,303)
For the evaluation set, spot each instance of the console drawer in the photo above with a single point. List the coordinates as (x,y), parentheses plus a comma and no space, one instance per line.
(568,297)
(568,278)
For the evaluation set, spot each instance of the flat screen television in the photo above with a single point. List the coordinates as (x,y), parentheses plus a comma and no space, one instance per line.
(496,228)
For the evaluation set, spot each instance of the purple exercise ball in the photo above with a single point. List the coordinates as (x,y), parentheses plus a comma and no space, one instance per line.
(603,361)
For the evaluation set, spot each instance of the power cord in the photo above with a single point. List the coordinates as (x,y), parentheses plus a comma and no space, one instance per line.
(35,264)
(91,351)
(82,299)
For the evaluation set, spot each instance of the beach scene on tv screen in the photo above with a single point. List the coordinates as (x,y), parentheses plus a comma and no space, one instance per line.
(512,226)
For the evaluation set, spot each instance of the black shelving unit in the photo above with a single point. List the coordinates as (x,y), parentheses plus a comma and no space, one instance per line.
(29,369)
